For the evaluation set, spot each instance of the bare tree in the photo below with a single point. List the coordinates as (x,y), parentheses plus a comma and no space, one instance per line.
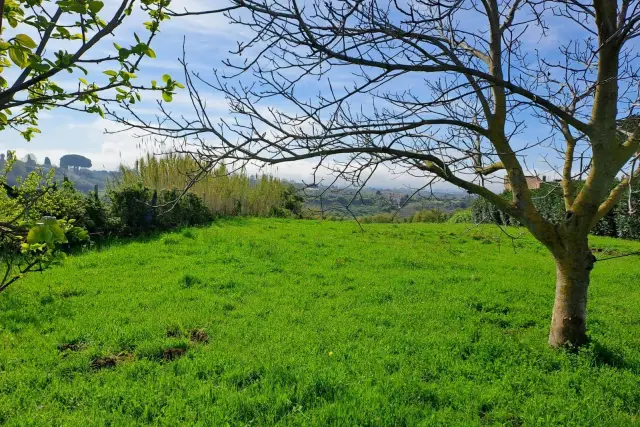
(443,89)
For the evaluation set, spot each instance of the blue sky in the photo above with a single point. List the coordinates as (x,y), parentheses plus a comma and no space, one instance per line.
(209,38)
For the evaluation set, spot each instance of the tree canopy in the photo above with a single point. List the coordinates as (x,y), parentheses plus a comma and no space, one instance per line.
(41,39)
(74,161)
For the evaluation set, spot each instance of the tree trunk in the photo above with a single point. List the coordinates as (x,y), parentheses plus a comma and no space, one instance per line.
(568,324)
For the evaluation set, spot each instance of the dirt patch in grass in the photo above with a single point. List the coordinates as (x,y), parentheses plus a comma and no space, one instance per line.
(174,332)
(173,353)
(72,346)
(110,361)
(199,336)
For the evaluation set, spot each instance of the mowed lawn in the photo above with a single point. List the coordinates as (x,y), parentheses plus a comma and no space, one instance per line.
(278,322)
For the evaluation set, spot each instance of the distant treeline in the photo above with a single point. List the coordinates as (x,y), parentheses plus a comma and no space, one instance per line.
(368,203)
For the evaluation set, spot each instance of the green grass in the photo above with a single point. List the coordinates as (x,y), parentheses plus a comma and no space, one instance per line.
(262,322)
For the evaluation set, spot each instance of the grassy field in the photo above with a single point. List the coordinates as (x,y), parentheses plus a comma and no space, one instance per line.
(262,322)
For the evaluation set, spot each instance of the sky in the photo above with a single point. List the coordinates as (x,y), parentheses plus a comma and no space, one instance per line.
(209,40)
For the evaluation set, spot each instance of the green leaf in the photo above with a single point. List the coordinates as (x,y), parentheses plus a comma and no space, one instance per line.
(58,234)
(95,6)
(127,75)
(111,73)
(167,96)
(26,41)
(166,78)
(83,80)
(39,234)
(150,53)
(18,57)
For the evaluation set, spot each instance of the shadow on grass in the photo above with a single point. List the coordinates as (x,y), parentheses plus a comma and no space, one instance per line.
(149,236)
(605,356)
(600,355)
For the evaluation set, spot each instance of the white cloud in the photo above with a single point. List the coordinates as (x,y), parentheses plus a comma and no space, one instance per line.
(212,24)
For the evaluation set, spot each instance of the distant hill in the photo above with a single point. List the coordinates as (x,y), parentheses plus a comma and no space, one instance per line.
(84,180)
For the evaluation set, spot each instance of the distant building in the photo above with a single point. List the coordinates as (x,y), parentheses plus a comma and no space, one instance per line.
(533,182)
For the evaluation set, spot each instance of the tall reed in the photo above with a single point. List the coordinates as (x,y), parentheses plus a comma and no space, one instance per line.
(224,193)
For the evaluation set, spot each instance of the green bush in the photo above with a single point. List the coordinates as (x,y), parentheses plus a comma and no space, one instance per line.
(464,216)
(76,237)
(96,215)
(136,209)
(620,222)
(292,203)
(627,218)
(484,212)
(31,239)
(62,202)
(607,226)
(175,211)
(130,209)
(429,215)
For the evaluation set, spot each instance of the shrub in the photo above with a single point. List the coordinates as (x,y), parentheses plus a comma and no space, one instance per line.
(429,215)
(176,211)
(96,216)
(484,212)
(30,240)
(63,202)
(627,218)
(607,226)
(292,202)
(137,209)
(76,237)
(620,222)
(463,216)
(130,205)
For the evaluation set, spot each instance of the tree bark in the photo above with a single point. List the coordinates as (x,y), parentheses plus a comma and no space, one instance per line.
(573,271)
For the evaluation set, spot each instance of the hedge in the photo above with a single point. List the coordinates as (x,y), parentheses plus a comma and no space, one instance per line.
(620,222)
